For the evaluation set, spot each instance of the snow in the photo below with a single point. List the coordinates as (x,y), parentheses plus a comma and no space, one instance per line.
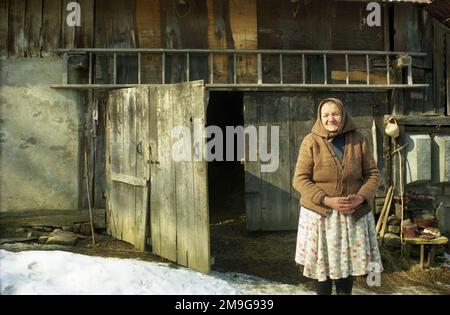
(64,273)
(58,272)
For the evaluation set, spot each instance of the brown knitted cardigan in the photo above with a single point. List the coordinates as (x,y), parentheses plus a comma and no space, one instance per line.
(319,173)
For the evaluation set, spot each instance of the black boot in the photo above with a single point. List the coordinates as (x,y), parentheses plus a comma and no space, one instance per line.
(344,286)
(324,287)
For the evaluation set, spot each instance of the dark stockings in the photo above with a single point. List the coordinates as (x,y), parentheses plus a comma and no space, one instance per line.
(343,286)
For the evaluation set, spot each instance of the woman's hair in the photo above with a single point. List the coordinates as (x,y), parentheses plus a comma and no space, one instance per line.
(331,102)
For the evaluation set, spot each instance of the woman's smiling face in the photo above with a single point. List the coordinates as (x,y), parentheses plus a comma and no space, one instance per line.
(331,116)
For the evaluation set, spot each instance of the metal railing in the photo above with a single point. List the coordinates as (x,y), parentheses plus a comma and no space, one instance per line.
(392,60)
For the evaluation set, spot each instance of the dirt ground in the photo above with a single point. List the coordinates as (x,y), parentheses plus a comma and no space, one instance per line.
(268,255)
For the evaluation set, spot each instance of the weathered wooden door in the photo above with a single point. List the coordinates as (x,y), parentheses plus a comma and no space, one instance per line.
(271,202)
(179,187)
(127,168)
(141,137)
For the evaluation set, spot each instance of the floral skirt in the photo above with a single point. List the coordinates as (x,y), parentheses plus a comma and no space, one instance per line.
(336,246)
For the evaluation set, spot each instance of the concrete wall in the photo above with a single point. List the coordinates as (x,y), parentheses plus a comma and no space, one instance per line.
(40,132)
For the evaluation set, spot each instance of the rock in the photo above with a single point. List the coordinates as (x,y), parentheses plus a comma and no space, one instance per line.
(76,228)
(85,229)
(30,234)
(38,228)
(393,220)
(67,228)
(56,231)
(20,231)
(47,229)
(61,240)
(394,229)
(392,240)
(43,239)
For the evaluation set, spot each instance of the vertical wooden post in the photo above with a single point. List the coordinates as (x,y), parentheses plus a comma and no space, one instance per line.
(347,81)
(65,79)
(281,69)
(259,65)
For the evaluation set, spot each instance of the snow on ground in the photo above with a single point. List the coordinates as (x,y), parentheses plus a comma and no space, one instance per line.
(58,272)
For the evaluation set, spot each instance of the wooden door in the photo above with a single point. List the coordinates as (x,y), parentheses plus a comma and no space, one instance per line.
(179,192)
(140,141)
(127,167)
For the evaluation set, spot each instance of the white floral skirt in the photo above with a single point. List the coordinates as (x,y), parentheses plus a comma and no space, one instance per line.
(336,246)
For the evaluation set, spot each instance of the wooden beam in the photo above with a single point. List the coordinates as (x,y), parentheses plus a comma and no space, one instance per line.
(361,76)
(421,120)
(127,179)
(52,218)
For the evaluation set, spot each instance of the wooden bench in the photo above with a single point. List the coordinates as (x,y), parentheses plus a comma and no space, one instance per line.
(442,240)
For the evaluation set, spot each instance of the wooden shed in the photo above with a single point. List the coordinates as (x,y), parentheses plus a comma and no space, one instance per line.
(133,70)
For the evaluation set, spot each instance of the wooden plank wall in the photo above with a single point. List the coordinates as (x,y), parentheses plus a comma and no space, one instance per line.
(16,34)
(4,23)
(33,28)
(439,64)
(271,201)
(280,26)
(220,37)
(115,27)
(245,36)
(185,26)
(448,72)
(148,27)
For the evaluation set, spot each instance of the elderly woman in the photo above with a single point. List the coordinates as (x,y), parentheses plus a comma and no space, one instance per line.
(337,178)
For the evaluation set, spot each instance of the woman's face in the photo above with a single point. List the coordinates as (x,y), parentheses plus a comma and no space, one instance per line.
(331,116)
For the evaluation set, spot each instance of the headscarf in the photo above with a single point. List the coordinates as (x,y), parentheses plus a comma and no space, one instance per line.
(345,126)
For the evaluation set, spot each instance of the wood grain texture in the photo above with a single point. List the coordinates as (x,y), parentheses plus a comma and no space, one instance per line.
(16,33)
(243,20)
(33,24)
(51,27)
(4,13)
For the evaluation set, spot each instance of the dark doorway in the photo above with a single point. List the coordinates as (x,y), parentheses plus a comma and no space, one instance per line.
(226,178)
